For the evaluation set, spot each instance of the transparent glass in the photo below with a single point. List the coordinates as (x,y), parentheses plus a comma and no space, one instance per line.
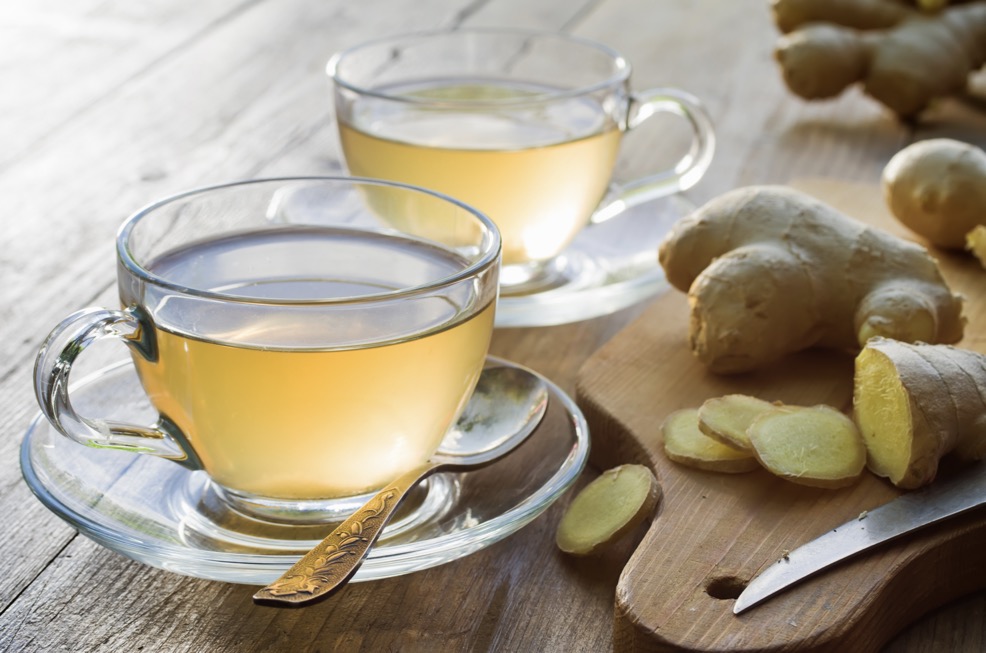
(526,126)
(171,517)
(304,341)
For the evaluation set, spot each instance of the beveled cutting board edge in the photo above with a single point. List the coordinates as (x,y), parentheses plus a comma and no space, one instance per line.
(866,629)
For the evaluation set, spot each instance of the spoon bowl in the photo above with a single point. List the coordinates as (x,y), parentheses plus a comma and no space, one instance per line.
(506,406)
(504,410)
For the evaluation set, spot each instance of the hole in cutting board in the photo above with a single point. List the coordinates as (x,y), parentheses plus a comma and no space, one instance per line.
(725,587)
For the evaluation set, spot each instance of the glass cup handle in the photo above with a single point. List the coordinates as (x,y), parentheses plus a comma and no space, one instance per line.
(685,173)
(51,377)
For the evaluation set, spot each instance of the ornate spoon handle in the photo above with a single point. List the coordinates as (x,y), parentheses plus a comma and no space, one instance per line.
(333,562)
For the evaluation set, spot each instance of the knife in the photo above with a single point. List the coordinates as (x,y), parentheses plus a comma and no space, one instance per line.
(963,491)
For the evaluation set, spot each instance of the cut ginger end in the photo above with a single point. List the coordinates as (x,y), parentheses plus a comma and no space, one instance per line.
(883,412)
(916,403)
(976,243)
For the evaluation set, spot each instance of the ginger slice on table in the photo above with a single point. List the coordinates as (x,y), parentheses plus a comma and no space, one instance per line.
(608,508)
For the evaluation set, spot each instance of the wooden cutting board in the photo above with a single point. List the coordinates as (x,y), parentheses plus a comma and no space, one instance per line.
(714,532)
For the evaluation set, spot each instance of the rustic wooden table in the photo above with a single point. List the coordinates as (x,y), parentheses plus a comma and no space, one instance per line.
(106,105)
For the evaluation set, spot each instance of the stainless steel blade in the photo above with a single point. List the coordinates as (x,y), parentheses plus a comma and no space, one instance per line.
(943,499)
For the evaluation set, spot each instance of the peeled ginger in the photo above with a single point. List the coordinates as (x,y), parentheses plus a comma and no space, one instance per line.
(816,446)
(727,418)
(686,443)
(608,508)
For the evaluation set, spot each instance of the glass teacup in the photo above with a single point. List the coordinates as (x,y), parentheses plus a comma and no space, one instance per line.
(305,340)
(525,126)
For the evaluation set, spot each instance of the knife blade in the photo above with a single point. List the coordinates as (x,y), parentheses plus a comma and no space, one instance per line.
(963,491)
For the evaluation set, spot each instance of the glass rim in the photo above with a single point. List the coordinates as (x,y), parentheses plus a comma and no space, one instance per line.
(126,257)
(619,75)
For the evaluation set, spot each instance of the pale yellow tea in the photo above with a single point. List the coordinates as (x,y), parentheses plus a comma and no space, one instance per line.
(309,423)
(538,170)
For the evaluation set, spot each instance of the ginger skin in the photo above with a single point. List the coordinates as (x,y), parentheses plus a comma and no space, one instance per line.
(789,15)
(904,58)
(937,188)
(915,403)
(769,271)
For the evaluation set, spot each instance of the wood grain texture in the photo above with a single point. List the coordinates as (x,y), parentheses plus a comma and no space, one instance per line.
(246,98)
(716,531)
(106,105)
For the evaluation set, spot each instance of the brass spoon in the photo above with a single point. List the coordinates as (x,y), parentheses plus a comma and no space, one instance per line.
(516,398)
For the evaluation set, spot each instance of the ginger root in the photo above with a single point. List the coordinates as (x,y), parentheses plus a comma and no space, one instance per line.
(608,508)
(937,188)
(789,15)
(770,271)
(916,403)
(904,58)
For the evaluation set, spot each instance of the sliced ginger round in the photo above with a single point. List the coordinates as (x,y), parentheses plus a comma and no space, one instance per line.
(727,418)
(816,446)
(685,443)
(607,509)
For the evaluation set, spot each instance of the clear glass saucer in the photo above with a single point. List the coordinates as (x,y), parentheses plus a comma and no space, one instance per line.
(609,266)
(159,513)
